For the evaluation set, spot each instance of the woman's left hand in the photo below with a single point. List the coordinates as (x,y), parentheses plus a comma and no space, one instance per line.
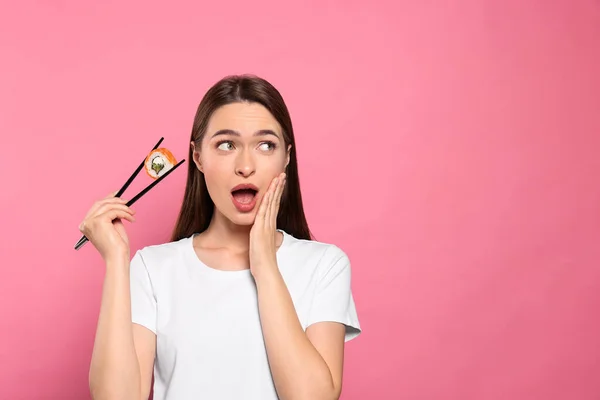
(262,247)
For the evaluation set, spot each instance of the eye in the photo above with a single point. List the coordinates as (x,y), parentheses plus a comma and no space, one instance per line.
(267,146)
(225,145)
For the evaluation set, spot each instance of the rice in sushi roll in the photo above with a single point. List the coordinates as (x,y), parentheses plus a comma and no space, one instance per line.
(158,162)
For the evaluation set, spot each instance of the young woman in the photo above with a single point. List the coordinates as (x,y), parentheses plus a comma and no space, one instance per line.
(241,303)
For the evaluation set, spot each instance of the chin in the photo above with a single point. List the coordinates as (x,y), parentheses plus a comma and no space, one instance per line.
(242,219)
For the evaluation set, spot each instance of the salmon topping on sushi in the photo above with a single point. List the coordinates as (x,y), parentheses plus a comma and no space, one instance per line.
(158,162)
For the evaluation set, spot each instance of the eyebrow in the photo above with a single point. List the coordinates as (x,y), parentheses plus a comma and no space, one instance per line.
(231,132)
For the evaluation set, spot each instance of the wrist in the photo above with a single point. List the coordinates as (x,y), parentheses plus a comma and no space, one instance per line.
(119,261)
(267,275)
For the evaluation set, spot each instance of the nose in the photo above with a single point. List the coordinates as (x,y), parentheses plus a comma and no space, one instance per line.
(245,165)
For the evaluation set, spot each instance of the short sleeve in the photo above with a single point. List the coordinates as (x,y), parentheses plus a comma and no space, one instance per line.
(333,299)
(143,302)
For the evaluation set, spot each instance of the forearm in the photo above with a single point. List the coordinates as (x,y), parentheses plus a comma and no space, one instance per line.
(298,370)
(114,369)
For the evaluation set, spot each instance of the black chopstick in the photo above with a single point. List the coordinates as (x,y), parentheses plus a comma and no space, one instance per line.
(150,186)
(83,240)
(137,171)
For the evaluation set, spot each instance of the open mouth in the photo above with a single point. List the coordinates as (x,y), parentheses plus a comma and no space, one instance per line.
(244,197)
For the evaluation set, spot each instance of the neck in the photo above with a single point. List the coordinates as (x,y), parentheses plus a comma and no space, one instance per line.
(221,232)
(224,233)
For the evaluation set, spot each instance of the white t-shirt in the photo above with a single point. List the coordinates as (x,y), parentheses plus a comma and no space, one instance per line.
(209,337)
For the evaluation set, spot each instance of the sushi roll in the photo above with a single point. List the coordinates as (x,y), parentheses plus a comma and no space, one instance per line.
(158,162)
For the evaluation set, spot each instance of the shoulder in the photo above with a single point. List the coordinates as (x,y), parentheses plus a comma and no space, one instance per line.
(321,254)
(156,255)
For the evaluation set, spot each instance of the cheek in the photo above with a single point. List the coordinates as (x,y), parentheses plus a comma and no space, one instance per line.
(216,175)
(214,165)
(273,165)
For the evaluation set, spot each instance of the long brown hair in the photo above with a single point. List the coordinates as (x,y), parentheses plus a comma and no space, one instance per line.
(197,208)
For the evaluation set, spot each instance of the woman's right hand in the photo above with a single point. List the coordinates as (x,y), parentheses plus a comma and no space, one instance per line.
(103,227)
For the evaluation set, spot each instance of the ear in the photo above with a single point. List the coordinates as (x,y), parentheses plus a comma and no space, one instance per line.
(287,156)
(196,157)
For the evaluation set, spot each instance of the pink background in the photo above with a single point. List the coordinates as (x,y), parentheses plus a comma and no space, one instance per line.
(451,148)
